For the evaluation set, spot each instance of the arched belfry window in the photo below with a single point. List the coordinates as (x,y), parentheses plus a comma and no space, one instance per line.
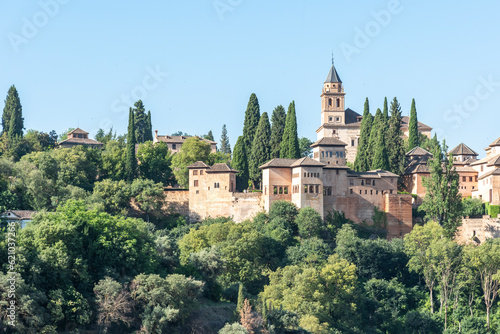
(329,102)
(338,103)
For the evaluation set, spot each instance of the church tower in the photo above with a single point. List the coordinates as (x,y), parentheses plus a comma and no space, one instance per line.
(332,99)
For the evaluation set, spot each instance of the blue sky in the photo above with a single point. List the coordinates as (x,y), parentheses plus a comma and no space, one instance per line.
(195,63)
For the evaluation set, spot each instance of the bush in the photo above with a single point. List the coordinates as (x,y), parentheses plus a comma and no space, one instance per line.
(494,210)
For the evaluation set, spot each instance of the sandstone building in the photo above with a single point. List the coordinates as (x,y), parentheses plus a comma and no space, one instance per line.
(488,169)
(174,143)
(344,124)
(78,137)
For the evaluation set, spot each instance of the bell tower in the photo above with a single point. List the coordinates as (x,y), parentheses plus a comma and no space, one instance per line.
(332,99)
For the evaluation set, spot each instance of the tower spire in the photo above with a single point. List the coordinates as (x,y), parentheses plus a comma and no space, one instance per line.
(332,58)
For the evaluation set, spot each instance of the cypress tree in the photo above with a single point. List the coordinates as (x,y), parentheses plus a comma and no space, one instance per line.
(361,163)
(386,110)
(131,162)
(380,158)
(225,146)
(140,122)
(13,114)
(395,144)
(149,128)
(240,163)
(289,147)
(376,130)
(278,120)
(252,116)
(241,298)
(413,140)
(261,149)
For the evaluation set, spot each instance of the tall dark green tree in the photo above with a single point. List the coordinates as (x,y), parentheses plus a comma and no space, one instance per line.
(362,162)
(252,116)
(378,127)
(380,158)
(12,118)
(240,163)
(278,120)
(209,136)
(443,202)
(385,112)
(413,138)
(261,150)
(394,140)
(140,122)
(225,146)
(148,136)
(131,162)
(289,148)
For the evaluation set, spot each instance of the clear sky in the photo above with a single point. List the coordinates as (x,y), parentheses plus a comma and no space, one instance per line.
(195,63)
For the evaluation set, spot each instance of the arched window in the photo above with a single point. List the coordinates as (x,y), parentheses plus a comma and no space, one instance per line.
(330,102)
(338,103)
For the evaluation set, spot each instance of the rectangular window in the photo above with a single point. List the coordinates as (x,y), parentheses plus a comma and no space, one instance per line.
(352,191)
(376,192)
(305,174)
(305,188)
(174,146)
(373,182)
(285,190)
(195,184)
(352,142)
(201,172)
(337,172)
(362,182)
(341,154)
(315,155)
(280,190)
(391,192)
(216,185)
(317,189)
(464,178)
(322,154)
(195,172)
(366,192)
(197,192)
(368,182)
(275,190)
(470,178)
(351,182)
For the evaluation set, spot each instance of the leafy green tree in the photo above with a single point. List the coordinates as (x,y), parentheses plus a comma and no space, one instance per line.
(240,163)
(413,137)
(311,250)
(154,162)
(443,202)
(485,259)
(309,223)
(192,150)
(234,328)
(394,140)
(12,117)
(305,147)
(148,195)
(114,157)
(225,146)
(103,137)
(285,210)
(142,126)
(112,196)
(252,116)
(289,147)
(40,141)
(64,135)
(417,244)
(278,119)
(261,150)
(472,207)
(131,161)
(362,162)
(417,322)
(165,301)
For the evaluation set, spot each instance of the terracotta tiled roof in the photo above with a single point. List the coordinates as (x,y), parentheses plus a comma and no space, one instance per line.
(307,162)
(78,131)
(329,141)
(465,169)
(19,214)
(496,142)
(221,168)
(492,172)
(180,139)
(80,141)
(405,120)
(418,151)
(198,164)
(372,174)
(463,149)
(278,162)
(489,160)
